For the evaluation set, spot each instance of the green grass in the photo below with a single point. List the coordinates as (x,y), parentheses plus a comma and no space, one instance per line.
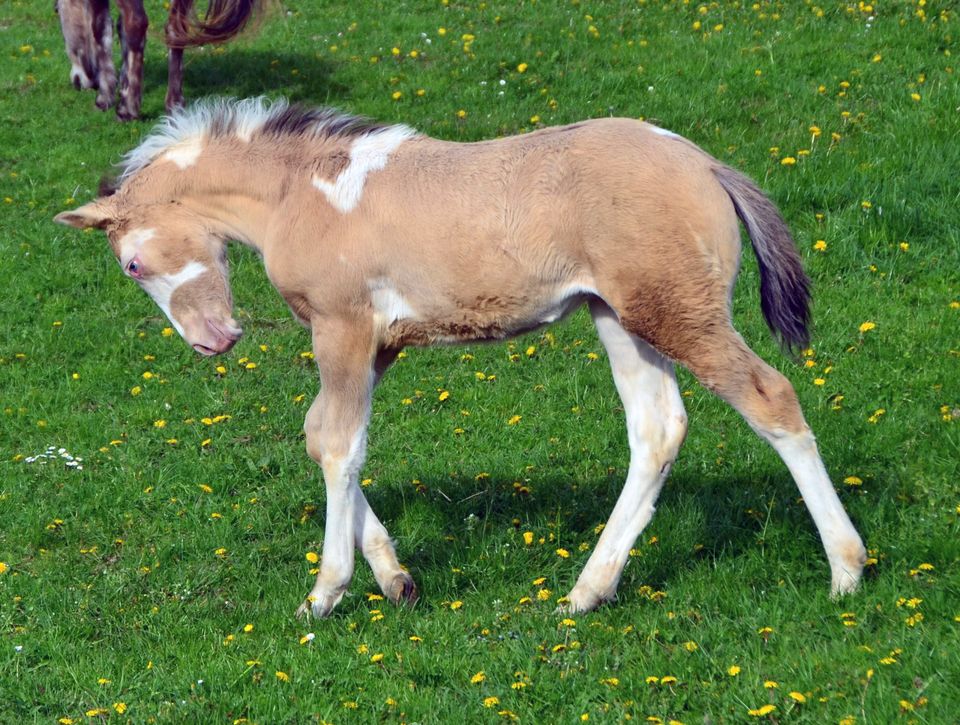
(114,591)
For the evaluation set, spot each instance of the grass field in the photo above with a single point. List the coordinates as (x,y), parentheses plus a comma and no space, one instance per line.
(156,579)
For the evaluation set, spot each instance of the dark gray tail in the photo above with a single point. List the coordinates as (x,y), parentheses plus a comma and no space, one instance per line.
(784,286)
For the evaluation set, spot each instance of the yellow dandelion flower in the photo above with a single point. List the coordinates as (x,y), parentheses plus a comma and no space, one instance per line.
(312,557)
(853,481)
(478,678)
(491,701)
(867,326)
(798,697)
(167,332)
(522,68)
(788,161)
(282,676)
(563,553)
(820,245)
(456,605)
(762,711)
(528,537)
(120,707)
(733,670)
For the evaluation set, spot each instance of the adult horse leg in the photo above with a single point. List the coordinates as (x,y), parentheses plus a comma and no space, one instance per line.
(178,18)
(656,425)
(89,40)
(336,432)
(132,28)
(103,45)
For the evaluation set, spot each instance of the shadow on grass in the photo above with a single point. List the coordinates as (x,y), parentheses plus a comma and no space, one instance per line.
(447,522)
(243,73)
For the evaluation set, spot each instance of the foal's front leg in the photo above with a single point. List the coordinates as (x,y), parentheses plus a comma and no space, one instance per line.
(336,431)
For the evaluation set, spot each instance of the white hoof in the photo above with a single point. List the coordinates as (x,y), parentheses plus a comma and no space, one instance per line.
(320,605)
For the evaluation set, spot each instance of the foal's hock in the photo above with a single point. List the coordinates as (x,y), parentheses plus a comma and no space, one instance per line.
(379,237)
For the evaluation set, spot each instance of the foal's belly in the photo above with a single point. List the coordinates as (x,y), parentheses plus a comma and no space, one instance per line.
(486,318)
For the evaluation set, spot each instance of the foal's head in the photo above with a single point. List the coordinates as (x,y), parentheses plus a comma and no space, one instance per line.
(170,253)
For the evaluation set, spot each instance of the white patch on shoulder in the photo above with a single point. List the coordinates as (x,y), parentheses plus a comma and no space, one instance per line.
(369,153)
(184,153)
(388,303)
(664,132)
(161,288)
(131,243)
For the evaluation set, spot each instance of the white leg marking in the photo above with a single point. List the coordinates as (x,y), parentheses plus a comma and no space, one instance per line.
(840,539)
(656,425)
(343,496)
(369,153)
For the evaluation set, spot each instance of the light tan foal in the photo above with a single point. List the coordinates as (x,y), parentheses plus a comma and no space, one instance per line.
(378,238)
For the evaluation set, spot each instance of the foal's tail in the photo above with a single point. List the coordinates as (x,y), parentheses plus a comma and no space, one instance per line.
(784,286)
(223,20)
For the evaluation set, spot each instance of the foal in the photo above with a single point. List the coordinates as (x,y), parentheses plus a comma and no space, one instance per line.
(379,237)
(89,41)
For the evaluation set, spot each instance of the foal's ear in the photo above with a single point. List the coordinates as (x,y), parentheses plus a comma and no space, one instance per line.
(96,214)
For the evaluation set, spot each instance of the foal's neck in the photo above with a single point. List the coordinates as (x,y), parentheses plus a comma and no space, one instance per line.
(237,188)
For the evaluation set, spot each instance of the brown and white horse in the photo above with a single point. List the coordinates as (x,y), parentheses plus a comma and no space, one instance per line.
(379,237)
(89,40)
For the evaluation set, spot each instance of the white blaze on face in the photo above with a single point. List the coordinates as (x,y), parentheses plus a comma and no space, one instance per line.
(131,243)
(368,153)
(161,288)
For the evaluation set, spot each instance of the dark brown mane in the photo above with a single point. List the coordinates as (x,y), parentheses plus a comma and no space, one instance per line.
(300,120)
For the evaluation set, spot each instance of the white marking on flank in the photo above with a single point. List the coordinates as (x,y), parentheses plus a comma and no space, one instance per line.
(664,132)
(184,154)
(161,288)
(387,301)
(369,153)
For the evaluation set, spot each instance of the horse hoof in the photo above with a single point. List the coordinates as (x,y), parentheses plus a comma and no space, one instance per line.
(403,590)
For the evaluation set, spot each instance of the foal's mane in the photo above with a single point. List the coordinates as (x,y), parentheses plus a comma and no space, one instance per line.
(248,118)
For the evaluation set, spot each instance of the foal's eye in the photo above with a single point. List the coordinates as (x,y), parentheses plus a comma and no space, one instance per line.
(134,269)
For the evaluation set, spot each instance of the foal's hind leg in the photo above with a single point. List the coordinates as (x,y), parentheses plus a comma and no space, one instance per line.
(766,399)
(656,425)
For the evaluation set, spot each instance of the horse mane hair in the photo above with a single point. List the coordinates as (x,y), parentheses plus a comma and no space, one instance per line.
(247,118)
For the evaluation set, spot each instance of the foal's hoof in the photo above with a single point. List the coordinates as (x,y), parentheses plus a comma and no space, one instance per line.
(582,599)
(402,590)
(319,605)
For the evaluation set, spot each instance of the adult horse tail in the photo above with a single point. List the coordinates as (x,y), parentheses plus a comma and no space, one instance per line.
(223,20)
(784,286)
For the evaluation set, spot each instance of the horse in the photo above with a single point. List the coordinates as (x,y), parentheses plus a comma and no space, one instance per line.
(87,33)
(379,237)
